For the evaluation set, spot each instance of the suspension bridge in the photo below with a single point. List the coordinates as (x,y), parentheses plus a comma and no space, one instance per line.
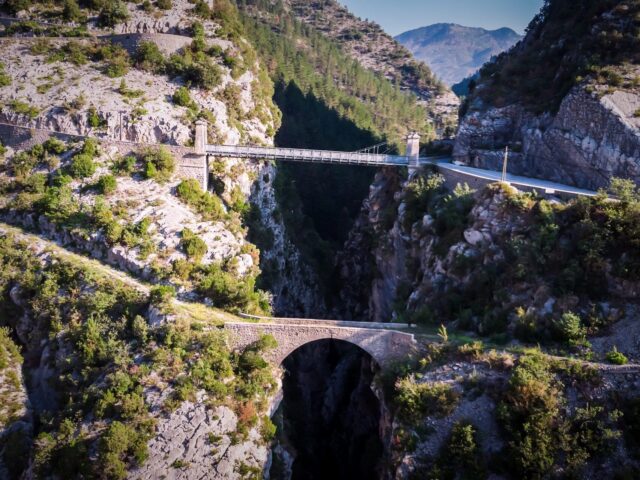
(370,156)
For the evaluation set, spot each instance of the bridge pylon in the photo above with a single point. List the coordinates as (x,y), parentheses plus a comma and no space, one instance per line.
(201,137)
(413,151)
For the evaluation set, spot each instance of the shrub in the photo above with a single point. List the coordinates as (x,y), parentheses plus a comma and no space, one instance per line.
(55,146)
(125,91)
(205,203)
(267,429)
(113,13)
(94,119)
(23,108)
(71,11)
(118,444)
(22,163)
(36,183)
(570,329)
(5,79)
(193,246)
(162,294)
(616,357)
(164,4)
(417,400)
(90,147)
(182,98)
(107,184)
(124,166)
(149,57)
(159,164)
(461,456)
(228,291)
(530,415)
(140,329)
(82,166)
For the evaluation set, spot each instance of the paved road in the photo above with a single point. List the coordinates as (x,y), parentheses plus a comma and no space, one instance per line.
(551,187)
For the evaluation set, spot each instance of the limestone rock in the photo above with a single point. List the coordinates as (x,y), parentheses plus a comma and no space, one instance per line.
(593,137)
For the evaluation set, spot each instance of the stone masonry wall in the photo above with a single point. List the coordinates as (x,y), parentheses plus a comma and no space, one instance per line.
(384,346)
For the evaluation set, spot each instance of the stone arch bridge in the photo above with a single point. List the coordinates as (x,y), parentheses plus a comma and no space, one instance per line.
(380,340)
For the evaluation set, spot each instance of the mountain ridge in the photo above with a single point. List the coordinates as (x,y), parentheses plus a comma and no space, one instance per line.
(455,52)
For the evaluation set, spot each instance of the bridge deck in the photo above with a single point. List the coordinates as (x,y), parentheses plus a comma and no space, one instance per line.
(330,323)
(305,155)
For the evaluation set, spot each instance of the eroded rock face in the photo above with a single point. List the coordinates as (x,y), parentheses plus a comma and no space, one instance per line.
(593,137)
(202,440)
(370,263)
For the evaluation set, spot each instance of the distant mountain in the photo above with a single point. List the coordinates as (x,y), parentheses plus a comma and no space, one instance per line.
(455,52)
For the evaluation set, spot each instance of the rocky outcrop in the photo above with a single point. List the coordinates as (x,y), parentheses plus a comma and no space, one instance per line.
(593,137)
(196,442)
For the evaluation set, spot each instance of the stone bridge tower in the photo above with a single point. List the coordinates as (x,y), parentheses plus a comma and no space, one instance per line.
(413,151)
(196,164)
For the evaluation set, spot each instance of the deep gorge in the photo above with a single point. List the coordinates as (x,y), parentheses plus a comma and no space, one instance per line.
(329,421)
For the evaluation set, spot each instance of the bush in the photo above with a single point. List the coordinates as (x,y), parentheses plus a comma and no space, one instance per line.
(82,166)
(149,57)
(530,415)
(113,13)
(417,400)
(268,429)
(159,164)
(461,456)
(23,108)
(5,79)
(124,166)
(71,11)
(94,119)
(193,246)
(164,4)
(182,98)
(205,203)
(162,294)
(55,146)
(570,329)
(616,357)
(229,292)
(120,443)
(107,184)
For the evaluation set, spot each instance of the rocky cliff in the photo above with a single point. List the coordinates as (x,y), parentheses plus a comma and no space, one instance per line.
(565,117)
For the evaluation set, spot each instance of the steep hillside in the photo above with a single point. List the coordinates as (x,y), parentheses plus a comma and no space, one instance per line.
(504,278)
(566,99)
(146,86)
(344,50)
(455,52)
(115,377)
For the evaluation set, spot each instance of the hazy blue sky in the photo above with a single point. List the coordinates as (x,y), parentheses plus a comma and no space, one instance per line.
(397,16)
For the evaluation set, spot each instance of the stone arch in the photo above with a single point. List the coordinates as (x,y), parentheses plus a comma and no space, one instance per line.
(335,339)
(384,346)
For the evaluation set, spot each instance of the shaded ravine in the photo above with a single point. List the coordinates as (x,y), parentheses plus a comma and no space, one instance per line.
(329,418)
